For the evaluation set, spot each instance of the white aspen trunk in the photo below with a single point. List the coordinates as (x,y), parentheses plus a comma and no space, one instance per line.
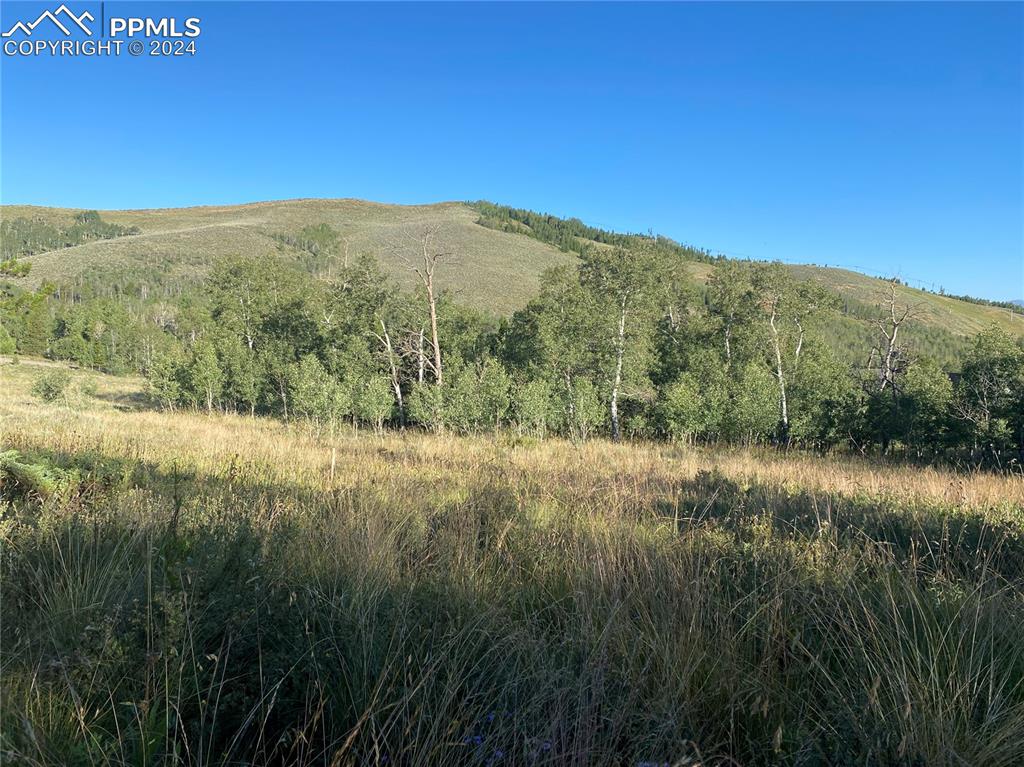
(421,359)
(617,381)
(799,343)
(395,383)
(433,330)
(781,377)
(572,403)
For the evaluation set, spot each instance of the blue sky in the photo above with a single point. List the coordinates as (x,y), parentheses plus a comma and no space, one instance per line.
(880,136)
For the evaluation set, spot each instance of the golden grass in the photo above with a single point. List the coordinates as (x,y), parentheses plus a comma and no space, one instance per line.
(114,424)
(225,590)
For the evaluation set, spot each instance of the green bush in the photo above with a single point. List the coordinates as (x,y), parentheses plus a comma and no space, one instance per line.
(52,386)
(375,402)
(7,343)
(87,387)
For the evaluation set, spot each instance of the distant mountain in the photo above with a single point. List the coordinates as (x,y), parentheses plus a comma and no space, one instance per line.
(1018,302)
(498,255)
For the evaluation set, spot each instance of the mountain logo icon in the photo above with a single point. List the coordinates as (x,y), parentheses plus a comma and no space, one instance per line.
(56,17)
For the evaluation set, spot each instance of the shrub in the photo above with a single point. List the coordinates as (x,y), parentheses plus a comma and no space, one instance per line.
(375,402)
(585,410)
(681,409)
(166,374)
(87,387)
(23,479)
(536,409)
(7,344)
(426,406)
(52,386)
(316,395)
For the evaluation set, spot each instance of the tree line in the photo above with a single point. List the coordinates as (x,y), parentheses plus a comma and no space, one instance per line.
(622,344)
(25,236)
(573,236)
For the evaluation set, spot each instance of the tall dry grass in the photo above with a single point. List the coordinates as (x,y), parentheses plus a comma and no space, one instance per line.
(234,591)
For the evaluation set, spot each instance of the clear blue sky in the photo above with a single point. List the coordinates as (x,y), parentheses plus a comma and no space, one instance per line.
(888,137)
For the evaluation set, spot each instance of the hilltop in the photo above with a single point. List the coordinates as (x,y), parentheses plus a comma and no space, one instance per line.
(497,256)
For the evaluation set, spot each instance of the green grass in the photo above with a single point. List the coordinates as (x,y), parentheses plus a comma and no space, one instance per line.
(226,590)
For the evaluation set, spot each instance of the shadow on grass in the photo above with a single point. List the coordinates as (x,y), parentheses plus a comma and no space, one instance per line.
(128,402)
(927,537)
(963,544)
(155,614)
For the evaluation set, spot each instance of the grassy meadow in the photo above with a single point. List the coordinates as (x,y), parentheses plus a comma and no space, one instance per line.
(218,590)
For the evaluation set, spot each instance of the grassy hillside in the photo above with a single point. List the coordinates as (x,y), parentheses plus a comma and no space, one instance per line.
(958,317)
(961,318)
(490,269)
(221,589)
(941,329)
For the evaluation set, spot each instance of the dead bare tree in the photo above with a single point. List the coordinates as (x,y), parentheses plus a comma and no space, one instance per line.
(420,357)
(408,343)
(892,357)
(425,268)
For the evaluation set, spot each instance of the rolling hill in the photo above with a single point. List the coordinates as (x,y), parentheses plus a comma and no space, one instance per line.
(490,269)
